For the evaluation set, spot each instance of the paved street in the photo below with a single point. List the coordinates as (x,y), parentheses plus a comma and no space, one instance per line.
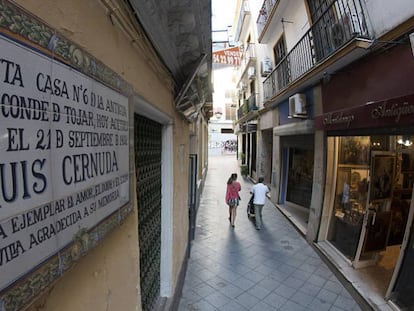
(244,269)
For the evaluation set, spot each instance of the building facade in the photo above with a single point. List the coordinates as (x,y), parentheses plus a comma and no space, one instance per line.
(247,88)
(103,129)
(336,119)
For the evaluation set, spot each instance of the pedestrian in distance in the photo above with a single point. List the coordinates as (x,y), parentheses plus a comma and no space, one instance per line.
(259,191)
(232,197)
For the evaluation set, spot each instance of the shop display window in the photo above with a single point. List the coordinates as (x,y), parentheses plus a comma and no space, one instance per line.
(374,179)
(402,292)
(351,193)
(371,187)
(349,207)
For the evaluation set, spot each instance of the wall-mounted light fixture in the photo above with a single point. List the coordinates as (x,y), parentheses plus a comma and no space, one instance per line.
(405,140)
(376,144)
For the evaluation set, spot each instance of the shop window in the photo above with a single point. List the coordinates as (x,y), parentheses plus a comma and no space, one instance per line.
(300,176)
(351,192)
(403,291)
(373,178)
(349,208)
(371,197)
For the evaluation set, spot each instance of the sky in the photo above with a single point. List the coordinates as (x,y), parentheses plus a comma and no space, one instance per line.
(222,17)
(223,13)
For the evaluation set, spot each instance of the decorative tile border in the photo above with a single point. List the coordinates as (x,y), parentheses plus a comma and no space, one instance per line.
(22,25)
(33,284)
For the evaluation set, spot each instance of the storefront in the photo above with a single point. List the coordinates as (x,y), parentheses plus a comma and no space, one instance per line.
(248,148)
(294,143)
(368,206)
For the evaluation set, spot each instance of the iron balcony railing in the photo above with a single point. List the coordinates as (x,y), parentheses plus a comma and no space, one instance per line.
(264,14)
(247,106)
(247,56)
(340,23)
(245,10)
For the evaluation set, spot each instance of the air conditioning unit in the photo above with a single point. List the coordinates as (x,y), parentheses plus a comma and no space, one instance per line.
(251,72)
(266,67)
(297,106)
(337,35)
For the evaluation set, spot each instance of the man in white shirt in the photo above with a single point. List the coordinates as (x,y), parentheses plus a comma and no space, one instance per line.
(259,191)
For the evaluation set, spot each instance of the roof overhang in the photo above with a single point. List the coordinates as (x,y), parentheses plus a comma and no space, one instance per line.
(180,32)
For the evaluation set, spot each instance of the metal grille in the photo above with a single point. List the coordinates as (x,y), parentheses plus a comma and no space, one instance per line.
(148,174)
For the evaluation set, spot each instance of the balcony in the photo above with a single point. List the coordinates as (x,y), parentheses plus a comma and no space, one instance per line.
(265,15)
(244,19)
(249,105)
(247,60)
(339,25)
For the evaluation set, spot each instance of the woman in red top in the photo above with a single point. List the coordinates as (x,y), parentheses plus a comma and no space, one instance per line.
(232,196)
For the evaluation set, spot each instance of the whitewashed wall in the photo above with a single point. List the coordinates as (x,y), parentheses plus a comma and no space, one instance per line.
(385,15)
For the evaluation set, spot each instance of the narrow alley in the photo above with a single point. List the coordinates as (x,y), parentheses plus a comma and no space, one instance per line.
(241,268)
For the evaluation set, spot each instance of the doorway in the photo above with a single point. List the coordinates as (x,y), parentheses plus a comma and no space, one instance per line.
(148,155)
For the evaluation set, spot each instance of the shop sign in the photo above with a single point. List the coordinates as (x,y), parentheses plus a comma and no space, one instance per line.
(64,157)
(391,112)
(230,56)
